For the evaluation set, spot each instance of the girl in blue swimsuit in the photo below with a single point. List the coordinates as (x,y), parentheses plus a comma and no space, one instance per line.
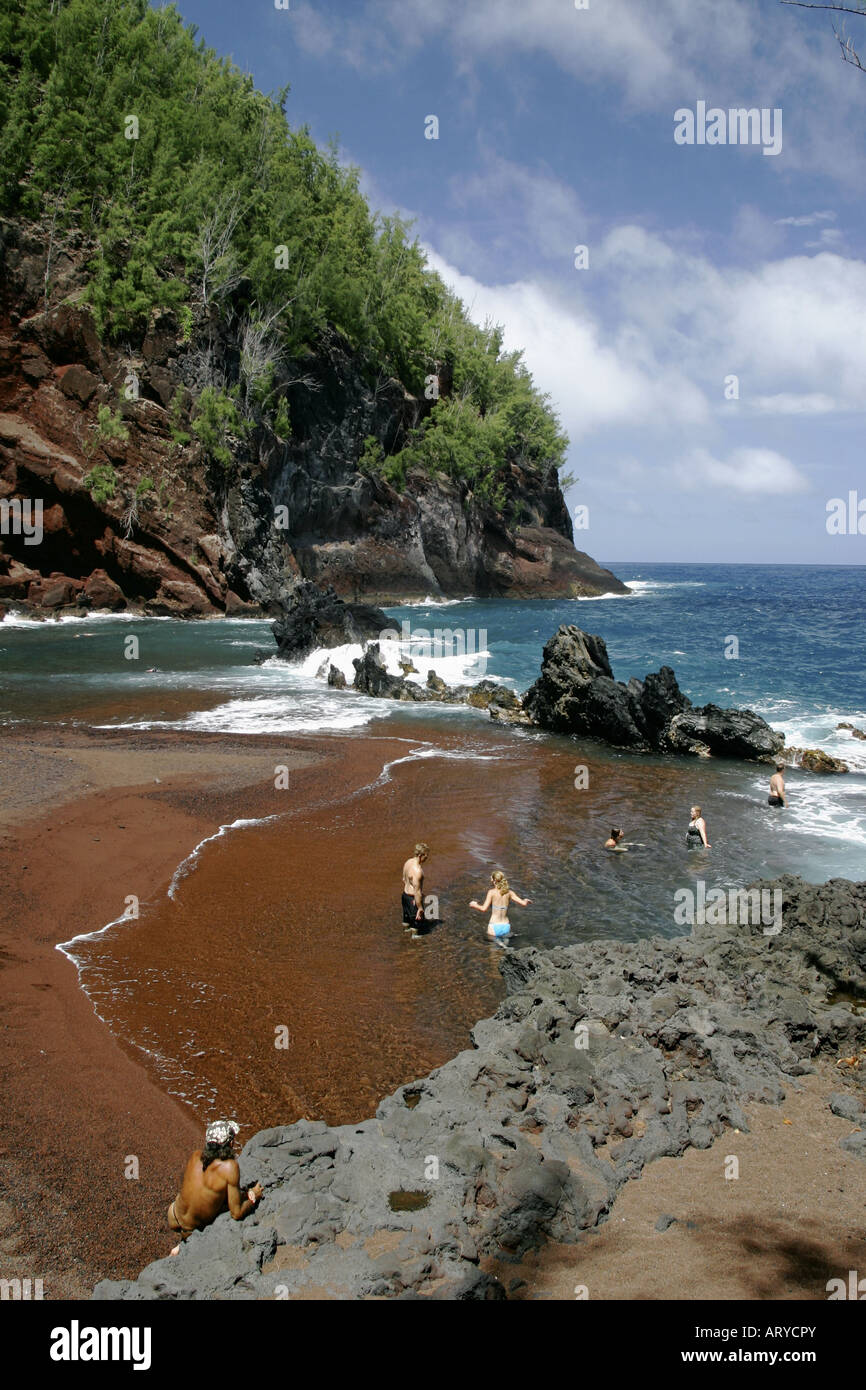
(499,895)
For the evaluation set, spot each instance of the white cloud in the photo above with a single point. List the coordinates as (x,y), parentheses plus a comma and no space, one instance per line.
(729,52)
(806,220)
(794,326)
(593,383)
(746,470)
(785,403)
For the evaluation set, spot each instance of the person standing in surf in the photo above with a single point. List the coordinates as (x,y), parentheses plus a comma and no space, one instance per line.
(777,787)
(696,835)
(413,885)
(499,895)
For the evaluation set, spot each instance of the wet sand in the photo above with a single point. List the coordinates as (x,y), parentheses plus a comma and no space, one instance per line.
(82,812)
(91,817)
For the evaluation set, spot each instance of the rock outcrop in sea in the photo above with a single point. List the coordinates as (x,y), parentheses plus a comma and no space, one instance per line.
(601,1058)
(577,694)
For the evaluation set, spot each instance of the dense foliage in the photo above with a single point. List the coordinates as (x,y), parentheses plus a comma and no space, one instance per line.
(197,193)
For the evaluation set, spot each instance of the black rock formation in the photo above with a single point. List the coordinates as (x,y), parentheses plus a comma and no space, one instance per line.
(576,694)
(314,617)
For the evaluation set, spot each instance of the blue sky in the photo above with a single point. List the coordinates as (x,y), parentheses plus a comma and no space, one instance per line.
(706,261)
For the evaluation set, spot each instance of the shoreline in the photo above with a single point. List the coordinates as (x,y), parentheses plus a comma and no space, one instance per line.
(67,1212)
(536,1135)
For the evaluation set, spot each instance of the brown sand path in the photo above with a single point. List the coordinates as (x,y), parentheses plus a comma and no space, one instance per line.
(793,1219)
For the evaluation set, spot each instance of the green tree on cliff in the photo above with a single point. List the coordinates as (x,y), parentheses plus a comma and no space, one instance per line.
(199,198)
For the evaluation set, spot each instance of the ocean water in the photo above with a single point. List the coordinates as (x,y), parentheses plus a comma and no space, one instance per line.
(481,795)
(799,633)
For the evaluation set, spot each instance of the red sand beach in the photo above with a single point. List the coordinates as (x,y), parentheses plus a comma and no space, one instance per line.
(89,818)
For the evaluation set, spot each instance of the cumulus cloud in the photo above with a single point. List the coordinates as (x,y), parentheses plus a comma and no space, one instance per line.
(745,470)
(594,381)
(795,326)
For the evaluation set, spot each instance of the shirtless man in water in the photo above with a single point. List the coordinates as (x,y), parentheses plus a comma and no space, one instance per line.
(777,787)
(413,885)
(210,1183)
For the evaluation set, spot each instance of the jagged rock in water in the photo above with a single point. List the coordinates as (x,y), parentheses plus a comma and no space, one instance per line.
(577,694)
(435,684)
(815,760)
(314,617)
(336,679)
(487,693)
(372,677)
(726,733)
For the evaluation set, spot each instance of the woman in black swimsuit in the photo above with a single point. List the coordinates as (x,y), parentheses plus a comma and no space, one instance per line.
(696,835)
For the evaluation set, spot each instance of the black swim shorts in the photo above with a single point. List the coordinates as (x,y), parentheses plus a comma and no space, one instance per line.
(410,908)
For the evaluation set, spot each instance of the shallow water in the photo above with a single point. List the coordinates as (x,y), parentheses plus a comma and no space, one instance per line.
(294,924)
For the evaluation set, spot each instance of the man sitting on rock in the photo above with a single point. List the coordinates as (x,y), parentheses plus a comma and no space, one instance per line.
(210,1183)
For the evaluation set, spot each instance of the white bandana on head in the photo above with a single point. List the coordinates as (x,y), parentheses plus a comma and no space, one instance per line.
(220,1132)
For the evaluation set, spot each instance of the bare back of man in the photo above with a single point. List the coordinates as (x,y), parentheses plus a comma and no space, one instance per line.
(205,1192)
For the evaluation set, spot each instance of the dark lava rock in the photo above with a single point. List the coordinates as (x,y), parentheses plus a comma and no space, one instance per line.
(502,1140)
(727,733)
(577,694)
(373,678)
(314,617)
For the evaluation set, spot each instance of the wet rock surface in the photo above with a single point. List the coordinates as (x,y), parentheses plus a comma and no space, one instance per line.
(816,760)
(313,617)
(601,1058)
(576,694)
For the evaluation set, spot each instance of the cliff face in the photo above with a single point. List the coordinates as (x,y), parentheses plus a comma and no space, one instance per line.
(133,512)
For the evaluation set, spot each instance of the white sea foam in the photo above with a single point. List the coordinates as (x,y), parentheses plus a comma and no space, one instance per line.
(191,860)
(21,620)
(460,668)
(645,586)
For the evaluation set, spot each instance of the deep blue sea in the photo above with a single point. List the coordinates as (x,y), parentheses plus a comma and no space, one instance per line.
(800,632)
